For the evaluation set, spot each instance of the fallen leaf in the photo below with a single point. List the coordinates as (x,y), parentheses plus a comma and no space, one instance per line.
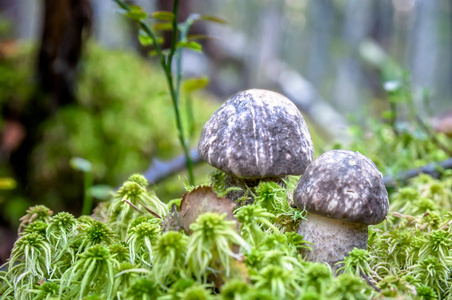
(201,200)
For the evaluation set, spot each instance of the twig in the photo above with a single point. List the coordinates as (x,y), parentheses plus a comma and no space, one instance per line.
(152,212)
(432,169)
(370,283)
(133,205)
(160,170)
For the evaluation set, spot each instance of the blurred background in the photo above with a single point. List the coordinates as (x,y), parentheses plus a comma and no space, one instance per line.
(76,83)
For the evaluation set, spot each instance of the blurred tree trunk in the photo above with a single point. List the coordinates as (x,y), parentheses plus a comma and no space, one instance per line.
(350,83)
(322,31)
(66,24)
(425,40)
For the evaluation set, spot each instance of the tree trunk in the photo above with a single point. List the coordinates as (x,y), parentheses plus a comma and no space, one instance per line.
(66,23)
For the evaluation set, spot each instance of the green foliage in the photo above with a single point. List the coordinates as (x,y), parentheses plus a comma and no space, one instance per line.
(126,255)
(93,269)
(403,140)
(58,255)
(169,258)
(357,263)
(122,116)
(170,59)
(212,235)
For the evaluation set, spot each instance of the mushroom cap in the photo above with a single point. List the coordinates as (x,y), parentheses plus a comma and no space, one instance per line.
(343,185)
(256,134)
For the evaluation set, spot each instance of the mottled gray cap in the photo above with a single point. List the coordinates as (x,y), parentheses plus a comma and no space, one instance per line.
(256,134)
(343,185)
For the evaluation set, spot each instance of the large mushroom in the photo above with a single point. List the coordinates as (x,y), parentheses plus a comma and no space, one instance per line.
(256,135)
(342,192)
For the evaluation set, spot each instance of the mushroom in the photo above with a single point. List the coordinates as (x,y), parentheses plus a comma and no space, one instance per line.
(256,135)
(342,192)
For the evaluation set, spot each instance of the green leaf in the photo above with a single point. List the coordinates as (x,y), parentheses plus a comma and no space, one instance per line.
(136,13)
(388,115)
(163,15)
(199,37)
(80,164)
(7,183)
(190,45)
(194,84)
(152,53)
(145,40)
(213,19)
(101,191)
(162,93)
(163,26)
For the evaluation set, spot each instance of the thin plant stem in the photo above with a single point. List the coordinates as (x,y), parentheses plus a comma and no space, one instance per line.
(393,120)
(166,63)
(87,197)
(409,96)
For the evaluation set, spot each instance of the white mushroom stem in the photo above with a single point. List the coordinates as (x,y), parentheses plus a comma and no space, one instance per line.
(331,239)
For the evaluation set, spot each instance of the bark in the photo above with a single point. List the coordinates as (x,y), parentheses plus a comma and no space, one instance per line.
(66,24)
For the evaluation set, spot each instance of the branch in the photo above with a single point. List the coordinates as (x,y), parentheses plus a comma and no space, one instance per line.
(160,170)
(432,169)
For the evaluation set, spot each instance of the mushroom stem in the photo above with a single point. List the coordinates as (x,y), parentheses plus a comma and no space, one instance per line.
(251,183)
(331,239)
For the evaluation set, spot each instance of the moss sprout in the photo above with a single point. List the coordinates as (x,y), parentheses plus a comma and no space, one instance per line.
(169,258)
(357,263)
(254,221)
(348,286)
(212,239)
(316,278)
(141,239)
(280,281)
(30,259)
(234,290)
(93,269)
(127,256)
(142,288)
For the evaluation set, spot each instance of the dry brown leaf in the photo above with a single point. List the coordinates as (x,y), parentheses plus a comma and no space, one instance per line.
(201,200)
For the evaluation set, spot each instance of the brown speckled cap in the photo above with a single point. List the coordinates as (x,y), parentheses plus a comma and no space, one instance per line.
(343,185)
(256,134)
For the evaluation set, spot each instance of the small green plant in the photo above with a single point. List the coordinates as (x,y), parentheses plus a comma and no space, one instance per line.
(141,239)
(133,200)
(282,282)
(62,228)
(357,263)
(61,256)
(234,289)
(171,60)
(254,221)
(85,166)
(94,269)
(347,286)
(316,277)
(125,253)
(211,240)
(30,259)
(168,261)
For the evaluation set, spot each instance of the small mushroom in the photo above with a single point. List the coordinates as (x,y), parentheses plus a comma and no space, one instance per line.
(256,135)
(342,192)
